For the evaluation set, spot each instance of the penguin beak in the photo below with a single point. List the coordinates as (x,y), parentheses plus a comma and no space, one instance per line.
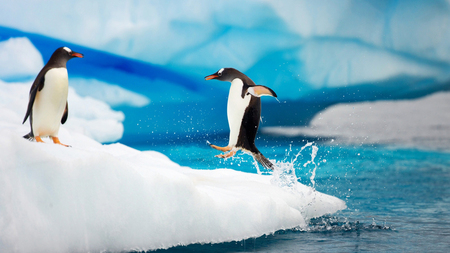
(75,54)
(213,76)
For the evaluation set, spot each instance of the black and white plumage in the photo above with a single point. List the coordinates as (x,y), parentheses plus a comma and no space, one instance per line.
(243,112)
(47,105)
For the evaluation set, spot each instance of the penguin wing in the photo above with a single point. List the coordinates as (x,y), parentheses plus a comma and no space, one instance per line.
(260,90)
(66,114)
(38,85)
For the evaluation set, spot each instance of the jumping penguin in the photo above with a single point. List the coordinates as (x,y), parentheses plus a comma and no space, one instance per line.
(47,105)
(243,112)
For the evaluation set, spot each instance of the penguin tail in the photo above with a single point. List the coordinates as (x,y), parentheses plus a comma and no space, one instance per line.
(263,160)
(29,136)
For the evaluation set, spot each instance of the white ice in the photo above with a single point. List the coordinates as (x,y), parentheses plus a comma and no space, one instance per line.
(112,94)
(19,59)
(420,123)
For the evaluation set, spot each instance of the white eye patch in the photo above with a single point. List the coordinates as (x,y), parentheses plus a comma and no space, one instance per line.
(67,49)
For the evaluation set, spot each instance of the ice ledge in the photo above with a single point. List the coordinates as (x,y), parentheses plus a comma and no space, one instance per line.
(94,197)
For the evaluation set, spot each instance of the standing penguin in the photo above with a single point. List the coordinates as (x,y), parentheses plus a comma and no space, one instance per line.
(243,112)
(47,105)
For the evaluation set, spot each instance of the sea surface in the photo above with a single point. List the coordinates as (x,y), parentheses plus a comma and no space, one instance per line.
(398,198)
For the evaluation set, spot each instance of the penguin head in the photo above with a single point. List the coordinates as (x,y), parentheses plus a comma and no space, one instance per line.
(61,55)
(225,74)
(71,53)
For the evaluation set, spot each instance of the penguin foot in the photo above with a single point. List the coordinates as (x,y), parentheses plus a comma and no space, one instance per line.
(38,139)
(223,149)
(227,155)
(56,141)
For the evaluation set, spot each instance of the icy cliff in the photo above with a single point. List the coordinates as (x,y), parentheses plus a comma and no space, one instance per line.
(312,53)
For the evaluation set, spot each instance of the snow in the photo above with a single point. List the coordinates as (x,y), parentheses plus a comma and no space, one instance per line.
(19,59)
(112,94)
(419,123)
(94,197)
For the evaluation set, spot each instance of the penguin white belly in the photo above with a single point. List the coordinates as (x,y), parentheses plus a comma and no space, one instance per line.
(50,102)
(235,109)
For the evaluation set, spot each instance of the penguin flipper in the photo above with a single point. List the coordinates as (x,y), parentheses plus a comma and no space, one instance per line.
(260,90)
(66,114)
(263,160)
(38,84)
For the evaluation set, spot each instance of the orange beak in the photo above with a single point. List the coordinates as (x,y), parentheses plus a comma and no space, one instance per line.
(213,76)
(74,54)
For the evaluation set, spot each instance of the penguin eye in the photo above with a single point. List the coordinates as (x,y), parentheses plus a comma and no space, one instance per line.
(219,73)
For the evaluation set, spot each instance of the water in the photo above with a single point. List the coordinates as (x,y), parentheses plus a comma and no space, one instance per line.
(398,198)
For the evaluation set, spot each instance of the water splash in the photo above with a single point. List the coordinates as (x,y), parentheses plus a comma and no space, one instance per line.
(313,156)
(255,163)
(284,174)
(341,224)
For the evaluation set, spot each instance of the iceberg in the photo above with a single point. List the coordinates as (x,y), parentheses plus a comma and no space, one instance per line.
(313,54)
(418,123)
(93,197)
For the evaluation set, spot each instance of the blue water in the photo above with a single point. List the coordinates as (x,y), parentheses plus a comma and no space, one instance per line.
(398,198)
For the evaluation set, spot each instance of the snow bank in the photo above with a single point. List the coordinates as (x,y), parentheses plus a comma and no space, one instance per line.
(423,123)
(112,94)
(94,197)
(19,59)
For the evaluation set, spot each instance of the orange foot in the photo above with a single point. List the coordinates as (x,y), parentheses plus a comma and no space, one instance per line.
(227,155)
(38,139)
(223,149)
(56,141)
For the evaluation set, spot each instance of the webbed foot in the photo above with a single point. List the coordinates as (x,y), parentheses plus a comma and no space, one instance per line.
(56,141)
